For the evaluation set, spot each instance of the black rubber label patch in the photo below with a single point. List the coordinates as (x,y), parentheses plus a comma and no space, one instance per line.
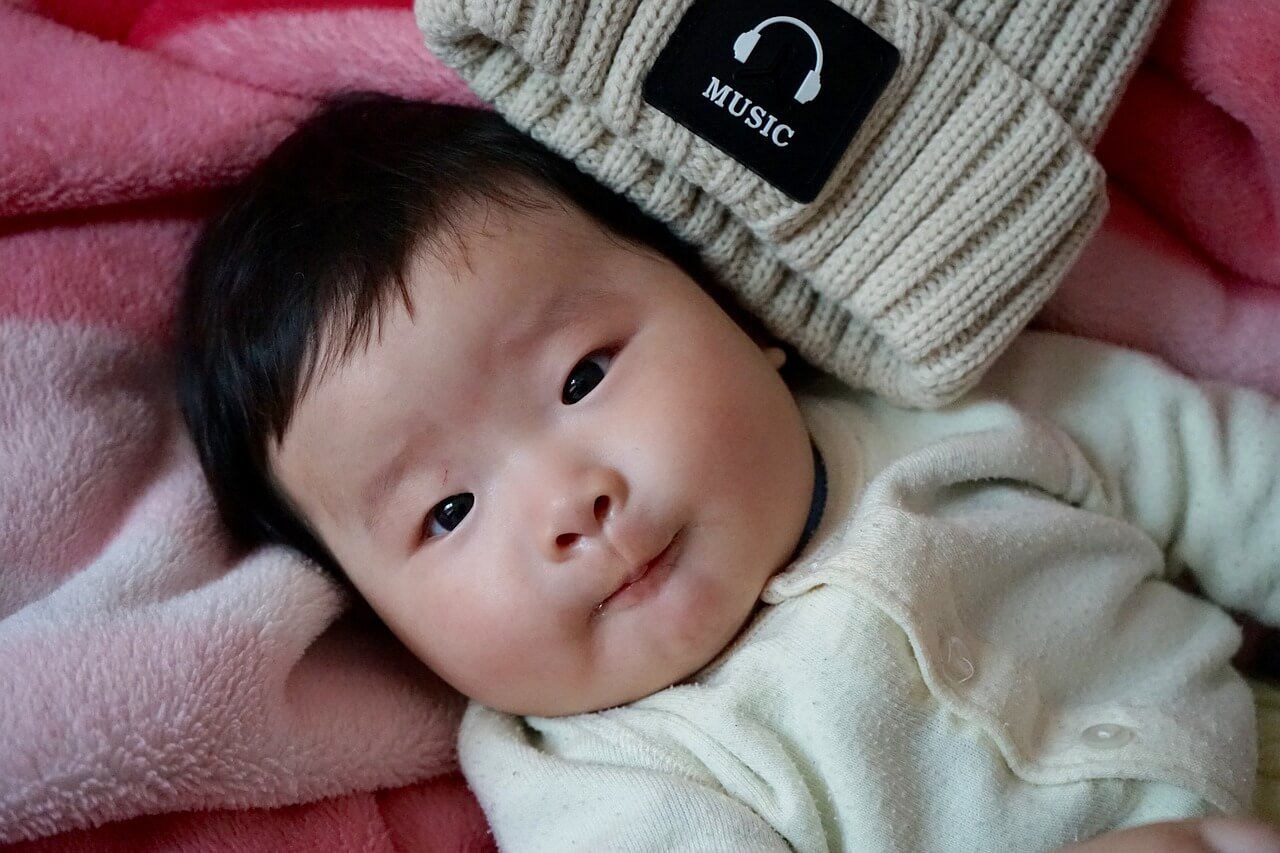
(781,86)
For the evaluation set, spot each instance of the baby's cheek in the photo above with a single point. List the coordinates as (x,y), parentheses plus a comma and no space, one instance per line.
(452,629)
(478,658)
(708,615)
(539,649)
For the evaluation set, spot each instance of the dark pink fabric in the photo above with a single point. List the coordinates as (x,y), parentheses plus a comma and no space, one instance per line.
(440,814)
(1187,265)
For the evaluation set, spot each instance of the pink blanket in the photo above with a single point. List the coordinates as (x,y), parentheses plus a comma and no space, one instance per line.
(147,668)
(150,670)
(1188,263)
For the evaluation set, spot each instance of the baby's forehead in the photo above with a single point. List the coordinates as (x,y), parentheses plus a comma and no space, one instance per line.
(504,275)
(456,248)
(547,259)
(533,219)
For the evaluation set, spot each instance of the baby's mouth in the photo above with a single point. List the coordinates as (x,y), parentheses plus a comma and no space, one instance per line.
(645,577)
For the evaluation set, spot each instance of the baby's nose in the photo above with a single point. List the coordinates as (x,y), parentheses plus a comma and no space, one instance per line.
(580,510)
(599,512)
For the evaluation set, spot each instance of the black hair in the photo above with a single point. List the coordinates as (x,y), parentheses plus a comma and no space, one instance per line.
(309,251)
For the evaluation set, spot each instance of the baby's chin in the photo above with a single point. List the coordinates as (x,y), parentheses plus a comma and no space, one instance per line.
(709,617)
(573,699)
(687,670)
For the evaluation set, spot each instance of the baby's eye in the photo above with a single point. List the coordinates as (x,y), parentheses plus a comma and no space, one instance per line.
(447,514)
(585,376)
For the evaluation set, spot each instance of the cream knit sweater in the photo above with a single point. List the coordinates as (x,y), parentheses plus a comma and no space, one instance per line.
(980,650)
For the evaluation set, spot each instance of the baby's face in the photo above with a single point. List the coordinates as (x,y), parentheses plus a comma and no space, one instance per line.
(564,480)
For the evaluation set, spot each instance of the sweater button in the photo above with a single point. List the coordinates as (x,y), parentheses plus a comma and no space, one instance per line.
(957,661)
(1106,736)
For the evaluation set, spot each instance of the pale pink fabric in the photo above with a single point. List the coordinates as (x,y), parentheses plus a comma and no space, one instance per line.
(147,667)
(149,670)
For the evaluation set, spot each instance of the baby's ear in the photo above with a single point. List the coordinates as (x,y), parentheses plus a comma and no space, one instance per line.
(776,355)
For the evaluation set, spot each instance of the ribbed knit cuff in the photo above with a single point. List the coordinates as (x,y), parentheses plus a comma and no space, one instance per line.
(1079,53)
(949,220)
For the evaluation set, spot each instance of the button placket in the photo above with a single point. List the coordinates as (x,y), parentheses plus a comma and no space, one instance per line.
(957,660)
(1106,736)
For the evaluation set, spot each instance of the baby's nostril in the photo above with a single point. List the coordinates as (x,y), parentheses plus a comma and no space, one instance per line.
(601,507)
(564,540)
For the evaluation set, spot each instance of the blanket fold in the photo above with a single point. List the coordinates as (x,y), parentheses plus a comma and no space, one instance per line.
(168,672)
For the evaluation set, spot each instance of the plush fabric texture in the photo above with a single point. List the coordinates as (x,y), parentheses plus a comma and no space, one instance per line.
(149,667)
(438,814)
(1187,265)
(948,222)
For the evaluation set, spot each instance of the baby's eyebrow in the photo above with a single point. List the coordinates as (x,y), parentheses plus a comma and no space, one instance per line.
(558,310)
(379,487)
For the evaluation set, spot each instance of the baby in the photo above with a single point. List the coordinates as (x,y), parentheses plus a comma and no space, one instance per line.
(699,604)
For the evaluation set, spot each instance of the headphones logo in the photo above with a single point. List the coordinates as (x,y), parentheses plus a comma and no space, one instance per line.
(812,83)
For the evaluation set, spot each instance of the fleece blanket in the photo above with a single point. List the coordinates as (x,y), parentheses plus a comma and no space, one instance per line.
(191,697)
(146,666)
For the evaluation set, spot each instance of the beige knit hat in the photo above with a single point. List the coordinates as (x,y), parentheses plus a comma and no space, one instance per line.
(962,189)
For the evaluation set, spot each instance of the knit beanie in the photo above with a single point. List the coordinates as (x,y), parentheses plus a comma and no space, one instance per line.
(892,186)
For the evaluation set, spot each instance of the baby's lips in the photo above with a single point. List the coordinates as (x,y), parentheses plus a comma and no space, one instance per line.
(631,577)
(635,538)
(639,570)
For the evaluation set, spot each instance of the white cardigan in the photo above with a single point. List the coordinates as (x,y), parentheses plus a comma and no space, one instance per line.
(980,648)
